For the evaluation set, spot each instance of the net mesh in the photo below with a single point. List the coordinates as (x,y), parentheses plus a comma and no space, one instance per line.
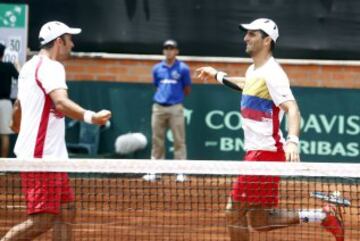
(114,202)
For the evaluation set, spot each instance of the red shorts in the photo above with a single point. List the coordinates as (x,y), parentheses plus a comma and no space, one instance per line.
(45,192)
(259,190)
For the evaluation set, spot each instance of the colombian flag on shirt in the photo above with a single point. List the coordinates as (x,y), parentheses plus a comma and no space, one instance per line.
(256,102)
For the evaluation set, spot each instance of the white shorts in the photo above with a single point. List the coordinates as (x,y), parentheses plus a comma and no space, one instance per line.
(5,117)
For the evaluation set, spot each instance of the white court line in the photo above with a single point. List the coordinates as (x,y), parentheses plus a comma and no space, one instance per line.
(15,206)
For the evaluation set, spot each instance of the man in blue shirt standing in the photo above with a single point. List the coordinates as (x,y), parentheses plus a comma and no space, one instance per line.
(171,78)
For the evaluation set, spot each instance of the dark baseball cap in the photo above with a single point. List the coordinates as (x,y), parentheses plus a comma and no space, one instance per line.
(170,43)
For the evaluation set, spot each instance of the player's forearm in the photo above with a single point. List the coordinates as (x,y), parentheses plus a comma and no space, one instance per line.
(232,85)
(236,83)
(16,117)
(294,119)
(69,108)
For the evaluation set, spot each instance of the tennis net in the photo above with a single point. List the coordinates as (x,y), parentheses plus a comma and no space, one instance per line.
(114,202)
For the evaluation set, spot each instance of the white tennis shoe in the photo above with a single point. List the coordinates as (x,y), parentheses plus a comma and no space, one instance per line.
(150,177)
(181,178)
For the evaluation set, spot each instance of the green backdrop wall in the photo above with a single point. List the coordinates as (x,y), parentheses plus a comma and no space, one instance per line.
(330,126)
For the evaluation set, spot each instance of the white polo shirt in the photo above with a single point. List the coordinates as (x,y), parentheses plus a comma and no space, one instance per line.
(42,128)
(265,89)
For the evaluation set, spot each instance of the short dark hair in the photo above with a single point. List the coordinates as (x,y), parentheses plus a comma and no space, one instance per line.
(264,35)
(50,44)
(2,50)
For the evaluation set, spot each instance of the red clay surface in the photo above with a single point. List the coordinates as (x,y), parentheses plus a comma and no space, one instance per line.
(129,209)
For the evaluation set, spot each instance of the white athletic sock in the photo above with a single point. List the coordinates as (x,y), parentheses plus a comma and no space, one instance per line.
(312,215)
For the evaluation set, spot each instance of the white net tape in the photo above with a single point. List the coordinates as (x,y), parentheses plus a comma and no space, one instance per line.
(178,166)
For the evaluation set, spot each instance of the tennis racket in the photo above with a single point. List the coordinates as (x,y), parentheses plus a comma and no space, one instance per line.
(331,198)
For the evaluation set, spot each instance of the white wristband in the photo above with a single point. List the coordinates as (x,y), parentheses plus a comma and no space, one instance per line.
(219,76)
(293,139)
(88,115)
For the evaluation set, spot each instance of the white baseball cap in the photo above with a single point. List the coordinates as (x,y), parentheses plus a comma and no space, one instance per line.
(264,24)
(51,30)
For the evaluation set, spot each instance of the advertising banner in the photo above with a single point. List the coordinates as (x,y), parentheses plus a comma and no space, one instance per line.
(330,128)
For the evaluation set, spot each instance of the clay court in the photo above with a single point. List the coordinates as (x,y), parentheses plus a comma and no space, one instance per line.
(127,208)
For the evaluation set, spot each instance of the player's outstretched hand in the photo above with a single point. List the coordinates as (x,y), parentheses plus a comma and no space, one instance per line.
(292,152)
(204,73)
(101,117)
